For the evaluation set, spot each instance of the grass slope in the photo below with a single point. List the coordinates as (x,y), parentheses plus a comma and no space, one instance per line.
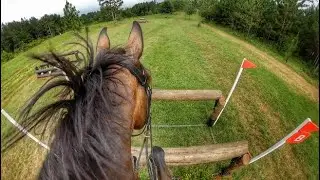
(180,55)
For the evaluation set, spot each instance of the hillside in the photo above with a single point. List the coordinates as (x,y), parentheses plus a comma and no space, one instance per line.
(269,102)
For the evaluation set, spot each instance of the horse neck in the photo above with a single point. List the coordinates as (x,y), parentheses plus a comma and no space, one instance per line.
(119,134)
(125,120)
(124,149)
(57,161)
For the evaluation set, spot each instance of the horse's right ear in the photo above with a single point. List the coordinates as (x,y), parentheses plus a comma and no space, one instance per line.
(135,41)
(103,40)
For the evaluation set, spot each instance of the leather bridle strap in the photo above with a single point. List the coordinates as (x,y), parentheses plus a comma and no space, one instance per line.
(141,76)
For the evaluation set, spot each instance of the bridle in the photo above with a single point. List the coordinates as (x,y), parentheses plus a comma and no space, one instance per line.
(141,75)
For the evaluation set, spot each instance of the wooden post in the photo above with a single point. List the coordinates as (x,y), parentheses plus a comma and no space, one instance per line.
(199,154)
(216,110)
(235,164)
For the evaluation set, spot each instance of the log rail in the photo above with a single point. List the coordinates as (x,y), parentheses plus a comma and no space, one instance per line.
(199,154)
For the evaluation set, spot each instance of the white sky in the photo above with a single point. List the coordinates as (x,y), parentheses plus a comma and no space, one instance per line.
(17,9)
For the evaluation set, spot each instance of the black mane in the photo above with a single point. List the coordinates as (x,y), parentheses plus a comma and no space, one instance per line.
(83,117)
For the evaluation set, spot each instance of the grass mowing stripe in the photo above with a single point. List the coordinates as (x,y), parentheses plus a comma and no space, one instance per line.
(182,55)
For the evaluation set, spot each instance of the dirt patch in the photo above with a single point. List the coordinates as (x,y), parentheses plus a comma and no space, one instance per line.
(278,68)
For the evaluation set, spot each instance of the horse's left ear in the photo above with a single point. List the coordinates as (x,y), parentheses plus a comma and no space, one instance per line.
(103,40)
(135,41)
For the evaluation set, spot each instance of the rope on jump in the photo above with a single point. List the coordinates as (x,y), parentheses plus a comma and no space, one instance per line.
(178,125)
(23,130)
(46,147)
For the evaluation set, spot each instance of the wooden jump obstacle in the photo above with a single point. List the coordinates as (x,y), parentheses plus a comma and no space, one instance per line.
(193,95)
(179,95)
(46,70)
(237,151)
(142,20)
(199,154)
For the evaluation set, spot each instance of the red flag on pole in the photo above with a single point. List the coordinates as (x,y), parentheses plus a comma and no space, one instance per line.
(310,127)
(298,135)
(303,133)
(248,64)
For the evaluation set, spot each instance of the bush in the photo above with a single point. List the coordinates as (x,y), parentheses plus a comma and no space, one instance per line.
(189,9)
(166,7)
(6,56)
(178,5)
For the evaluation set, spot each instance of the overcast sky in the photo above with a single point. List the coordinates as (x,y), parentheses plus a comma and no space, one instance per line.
(17,9)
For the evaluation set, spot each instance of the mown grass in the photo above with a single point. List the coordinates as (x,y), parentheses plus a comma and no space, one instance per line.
(180,55)
(295,63)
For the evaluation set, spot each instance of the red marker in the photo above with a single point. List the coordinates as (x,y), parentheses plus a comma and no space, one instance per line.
(300,134)
(246,64)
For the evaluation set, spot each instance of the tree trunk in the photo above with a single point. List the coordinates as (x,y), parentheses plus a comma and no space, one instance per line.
(113,16)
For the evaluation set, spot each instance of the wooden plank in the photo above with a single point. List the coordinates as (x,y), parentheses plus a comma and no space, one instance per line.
(199,154)
(164,94)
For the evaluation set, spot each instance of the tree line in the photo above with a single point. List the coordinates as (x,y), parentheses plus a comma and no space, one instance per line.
(292,26)
(17,36)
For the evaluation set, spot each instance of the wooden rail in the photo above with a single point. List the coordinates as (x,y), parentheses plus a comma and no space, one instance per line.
(163,94)
(199,154)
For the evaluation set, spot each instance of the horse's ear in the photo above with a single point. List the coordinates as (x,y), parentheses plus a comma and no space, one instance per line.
(135,41)
(103,40)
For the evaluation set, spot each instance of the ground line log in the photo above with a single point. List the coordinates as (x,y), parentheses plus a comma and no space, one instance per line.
(164,94)
(199,154)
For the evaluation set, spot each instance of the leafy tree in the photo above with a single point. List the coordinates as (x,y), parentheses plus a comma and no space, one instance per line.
(35,31)
(166,7)
(126,13)
(6,56)
(71,16)
(292,26)
(105,14)
(190,9)
(208,9)
(291,47)
(309,37)
(90,17)
(178,5)
(112,6)
(142,9)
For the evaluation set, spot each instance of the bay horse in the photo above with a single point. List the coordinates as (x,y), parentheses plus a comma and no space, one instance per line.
(99,106)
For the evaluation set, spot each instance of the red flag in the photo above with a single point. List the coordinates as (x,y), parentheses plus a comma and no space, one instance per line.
(247,64)
(298,137)
(303,133)
(310,127)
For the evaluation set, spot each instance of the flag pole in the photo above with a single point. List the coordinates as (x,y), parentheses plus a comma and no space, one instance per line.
(231,91)
(281,142)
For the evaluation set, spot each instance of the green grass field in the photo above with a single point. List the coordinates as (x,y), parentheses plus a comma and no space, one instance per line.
(269,102)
